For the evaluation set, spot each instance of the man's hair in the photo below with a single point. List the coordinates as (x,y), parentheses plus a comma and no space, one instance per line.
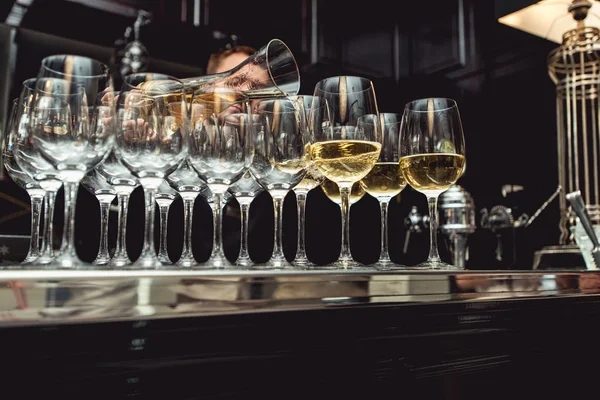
(216,57)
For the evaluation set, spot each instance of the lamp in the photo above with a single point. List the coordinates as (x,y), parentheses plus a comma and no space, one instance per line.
(574,67)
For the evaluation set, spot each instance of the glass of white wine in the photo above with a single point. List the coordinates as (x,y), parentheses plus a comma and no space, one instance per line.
(385,181)
(341,152)
(432,158)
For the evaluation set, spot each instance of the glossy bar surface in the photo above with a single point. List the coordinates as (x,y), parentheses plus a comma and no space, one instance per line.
(54,297)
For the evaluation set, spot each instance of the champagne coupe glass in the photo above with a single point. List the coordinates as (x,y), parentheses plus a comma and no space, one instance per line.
(95,183)
(151,142)
(311,180)
(74,133)
(165,196)
(432,158)
(123,182)
(77,145)
(188,184)
(30,160)
(385,180)
(246,188)
(24,180)
(217,152)
(279,160)
(341,152)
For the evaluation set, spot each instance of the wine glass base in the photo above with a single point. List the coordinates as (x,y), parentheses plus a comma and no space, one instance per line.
(245,262)
(119,262)
(218,262)
(66,261)
(389,266)
(304,263)
(102,261)
(274,264)
(186,262)
(344,265)
(434,266)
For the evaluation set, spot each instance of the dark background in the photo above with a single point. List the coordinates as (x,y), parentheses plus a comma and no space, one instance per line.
(446,48)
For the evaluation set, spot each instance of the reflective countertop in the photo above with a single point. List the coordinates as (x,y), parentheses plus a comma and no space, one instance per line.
(62,296)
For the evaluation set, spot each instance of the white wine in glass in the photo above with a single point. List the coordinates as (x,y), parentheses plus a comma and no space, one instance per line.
(432,158)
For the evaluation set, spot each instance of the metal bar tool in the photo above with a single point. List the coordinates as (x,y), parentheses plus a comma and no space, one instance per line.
(579,207)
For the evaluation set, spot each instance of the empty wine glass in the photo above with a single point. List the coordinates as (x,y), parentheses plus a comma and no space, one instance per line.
(24,180)
(432,158)
(123,182)
(74,128)
(217,152)
(188,184)
(311,180)
(151,142)
(279,160)
(341,152)
(95,183)
(385,180)
(246,188)
(30,160)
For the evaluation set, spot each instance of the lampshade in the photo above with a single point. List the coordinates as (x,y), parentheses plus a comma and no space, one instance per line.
(549,19)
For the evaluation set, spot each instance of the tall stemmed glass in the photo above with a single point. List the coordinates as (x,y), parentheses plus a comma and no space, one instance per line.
(279,160)
(30,160)
(246,188)
(105,194)
(385,180)
(72,126)
(432,158)
(217,152)
(151,142)
(165,196)
(341,152)
(188,184)
(123,182)
(24,180)
(311,180)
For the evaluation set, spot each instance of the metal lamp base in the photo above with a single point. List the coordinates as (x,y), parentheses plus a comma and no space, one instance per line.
(559,257)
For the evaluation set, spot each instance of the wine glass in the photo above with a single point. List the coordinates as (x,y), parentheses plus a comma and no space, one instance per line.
(151,142)
(105,194)
(74,133)
(246,188)
(341,152)
(30,160)
(188,184)
(123,182)
(25,181)
(311,180)
(432,158)
(279,160)
(385,180)
(74,128)
(217,152)
(165,196)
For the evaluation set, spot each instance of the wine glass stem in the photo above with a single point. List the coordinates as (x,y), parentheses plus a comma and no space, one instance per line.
(121,250)
(188,213)
(384,256)
(67,247)
(433,226)
(47,253)
(103,255)
(36,210)
(244,211)
(217,250)
(163,254)
(301,205)
(345,254)
(150,201)
(278,209)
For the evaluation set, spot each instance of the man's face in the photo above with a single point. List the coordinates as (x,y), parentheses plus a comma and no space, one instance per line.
(233,60)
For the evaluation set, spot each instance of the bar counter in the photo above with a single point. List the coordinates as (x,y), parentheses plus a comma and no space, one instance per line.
(299,334)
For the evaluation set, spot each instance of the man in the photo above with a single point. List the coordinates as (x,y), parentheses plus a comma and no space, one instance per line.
(226,59)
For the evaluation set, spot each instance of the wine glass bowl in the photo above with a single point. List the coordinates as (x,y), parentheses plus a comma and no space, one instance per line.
(432,157)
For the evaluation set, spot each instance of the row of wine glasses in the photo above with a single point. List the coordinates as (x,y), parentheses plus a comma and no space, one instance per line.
(72,127)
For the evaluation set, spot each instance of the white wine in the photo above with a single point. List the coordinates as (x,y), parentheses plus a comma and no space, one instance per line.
(384,180)
(311,180)
(434,172)
(345,160)
(332,191)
